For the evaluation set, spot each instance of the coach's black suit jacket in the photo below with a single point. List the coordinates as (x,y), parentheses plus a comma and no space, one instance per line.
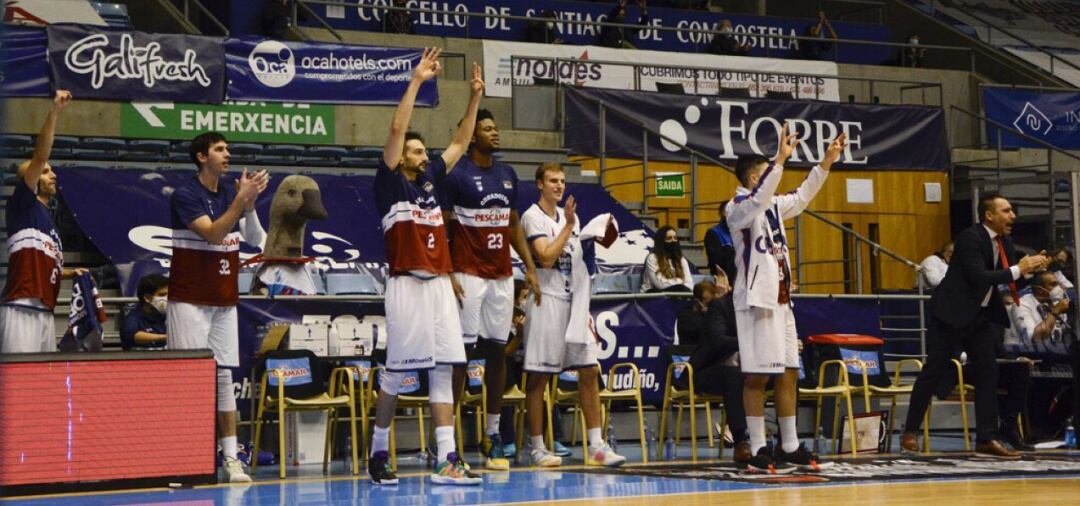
(972,271)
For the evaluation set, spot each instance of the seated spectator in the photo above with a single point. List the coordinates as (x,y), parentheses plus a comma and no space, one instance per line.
(1043,312)
(724,43)
(1062,266)
(144,327)
(542,30)
(665,268)
(709,324)
(817,49)
(913,54)
(933,268)
(398,21)
(619,37)
(719,249)
(276,18)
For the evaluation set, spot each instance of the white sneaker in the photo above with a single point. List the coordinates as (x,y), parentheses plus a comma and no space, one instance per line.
(543,458)
(234,470)
(604,456)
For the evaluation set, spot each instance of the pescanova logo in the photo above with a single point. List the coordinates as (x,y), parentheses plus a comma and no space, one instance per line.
(88,56)
(272,63)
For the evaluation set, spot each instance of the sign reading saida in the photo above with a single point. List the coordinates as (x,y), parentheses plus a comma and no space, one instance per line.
(669,184)
(265,122)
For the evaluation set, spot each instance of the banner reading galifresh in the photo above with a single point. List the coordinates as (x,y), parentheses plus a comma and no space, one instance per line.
(126,65)
(509,63)
(1052,117)
(24,66)
(266,122)
(271,70)
(896,137)
(572,25)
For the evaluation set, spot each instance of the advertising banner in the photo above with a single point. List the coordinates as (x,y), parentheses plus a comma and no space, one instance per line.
(285,71)
(1052,117)
(265,122)
(571,26)
(510,63)
(24,66)
(894,137)
(128,65)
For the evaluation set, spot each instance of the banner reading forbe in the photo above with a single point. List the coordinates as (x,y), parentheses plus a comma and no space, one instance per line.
(266,122)
(1052,117)
(286,71)
(879,137)
(130,65)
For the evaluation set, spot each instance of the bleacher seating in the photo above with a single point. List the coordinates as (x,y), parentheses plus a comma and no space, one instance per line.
(115,15)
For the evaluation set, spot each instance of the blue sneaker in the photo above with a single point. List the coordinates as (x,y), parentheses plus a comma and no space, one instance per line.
(492,449)
(560,450)
(510,451)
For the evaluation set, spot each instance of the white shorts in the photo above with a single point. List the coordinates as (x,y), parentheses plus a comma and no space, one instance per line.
(546,349)
(26,330)
(488,308)
(194,326)
(768,342)
(422,324)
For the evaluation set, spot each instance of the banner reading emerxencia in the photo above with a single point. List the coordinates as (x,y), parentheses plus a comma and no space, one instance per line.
(129,65)
(271,70)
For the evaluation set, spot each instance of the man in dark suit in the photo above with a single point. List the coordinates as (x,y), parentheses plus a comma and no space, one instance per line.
(966,312)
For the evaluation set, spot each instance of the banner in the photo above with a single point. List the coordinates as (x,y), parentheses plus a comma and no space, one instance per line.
(125,212)
(128,65)
(896,137)
(264,122)
(1052,117)
(367,16)
(264,69)
(24,66)
(509,63)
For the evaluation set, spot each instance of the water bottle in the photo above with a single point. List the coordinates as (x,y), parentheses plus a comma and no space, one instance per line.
(348,454)
(650,441)
(820,444)
(1070,435)
(612,441)
(670,450)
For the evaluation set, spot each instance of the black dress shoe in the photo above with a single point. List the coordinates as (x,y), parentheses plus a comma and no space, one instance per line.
(1017,443)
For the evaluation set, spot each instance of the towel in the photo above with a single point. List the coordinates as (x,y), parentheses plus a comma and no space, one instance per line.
(602,229)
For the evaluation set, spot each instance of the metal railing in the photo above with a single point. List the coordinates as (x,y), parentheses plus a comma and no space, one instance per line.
(835,50)
(187,11)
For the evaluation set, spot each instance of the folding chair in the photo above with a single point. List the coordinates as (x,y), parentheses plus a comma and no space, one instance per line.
(841,389)
(410,395)
(893,390)
(609,394)
(564,393)
(688,397)
(295,384)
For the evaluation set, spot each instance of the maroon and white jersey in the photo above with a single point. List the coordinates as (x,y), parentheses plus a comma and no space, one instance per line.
(203,273)
(35,254)
(481,200)
(412,220)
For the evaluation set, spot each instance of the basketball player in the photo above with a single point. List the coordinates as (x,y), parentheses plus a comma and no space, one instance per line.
(210,215)
(553,233)
(423,326)
(768,345)
(35,255)
(480,199)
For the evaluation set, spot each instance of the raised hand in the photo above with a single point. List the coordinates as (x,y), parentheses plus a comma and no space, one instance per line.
(787,144)
(835,149)
(429,65)
(1032,263)
(477,83)
(570,209)
(61,100)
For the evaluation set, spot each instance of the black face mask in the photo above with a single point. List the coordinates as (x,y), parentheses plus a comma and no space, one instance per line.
(672,248)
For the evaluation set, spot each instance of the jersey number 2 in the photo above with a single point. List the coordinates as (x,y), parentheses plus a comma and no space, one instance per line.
(224,271)
(431,241)
(495,241)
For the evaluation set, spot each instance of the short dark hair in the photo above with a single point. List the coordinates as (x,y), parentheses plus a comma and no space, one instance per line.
(413,136)
(483,114)
(1042,279)
(547,167)
(201,144)
(986,203)
(150,284)
(745,164)
(701,287)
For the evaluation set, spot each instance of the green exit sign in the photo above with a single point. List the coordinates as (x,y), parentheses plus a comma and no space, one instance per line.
(670,184)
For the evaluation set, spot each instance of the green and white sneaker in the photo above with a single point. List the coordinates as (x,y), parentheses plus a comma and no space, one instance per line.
(452,471)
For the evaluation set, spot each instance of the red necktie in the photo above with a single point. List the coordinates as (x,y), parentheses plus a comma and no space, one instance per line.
(1005,264)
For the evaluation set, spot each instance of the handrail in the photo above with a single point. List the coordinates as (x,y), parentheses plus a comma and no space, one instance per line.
(316,17)
(990,27)
(486,15)
(1013,131)
(206,12)
(713,161)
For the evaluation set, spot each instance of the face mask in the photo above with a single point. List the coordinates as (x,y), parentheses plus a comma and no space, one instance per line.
(725,30)
(159,303)
(671,248)
(915,41)
(1057,294)
(551,25)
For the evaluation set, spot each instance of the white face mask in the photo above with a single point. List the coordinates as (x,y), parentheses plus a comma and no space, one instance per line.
(1057,294)
(725,30)
(159,303)
(551,25)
